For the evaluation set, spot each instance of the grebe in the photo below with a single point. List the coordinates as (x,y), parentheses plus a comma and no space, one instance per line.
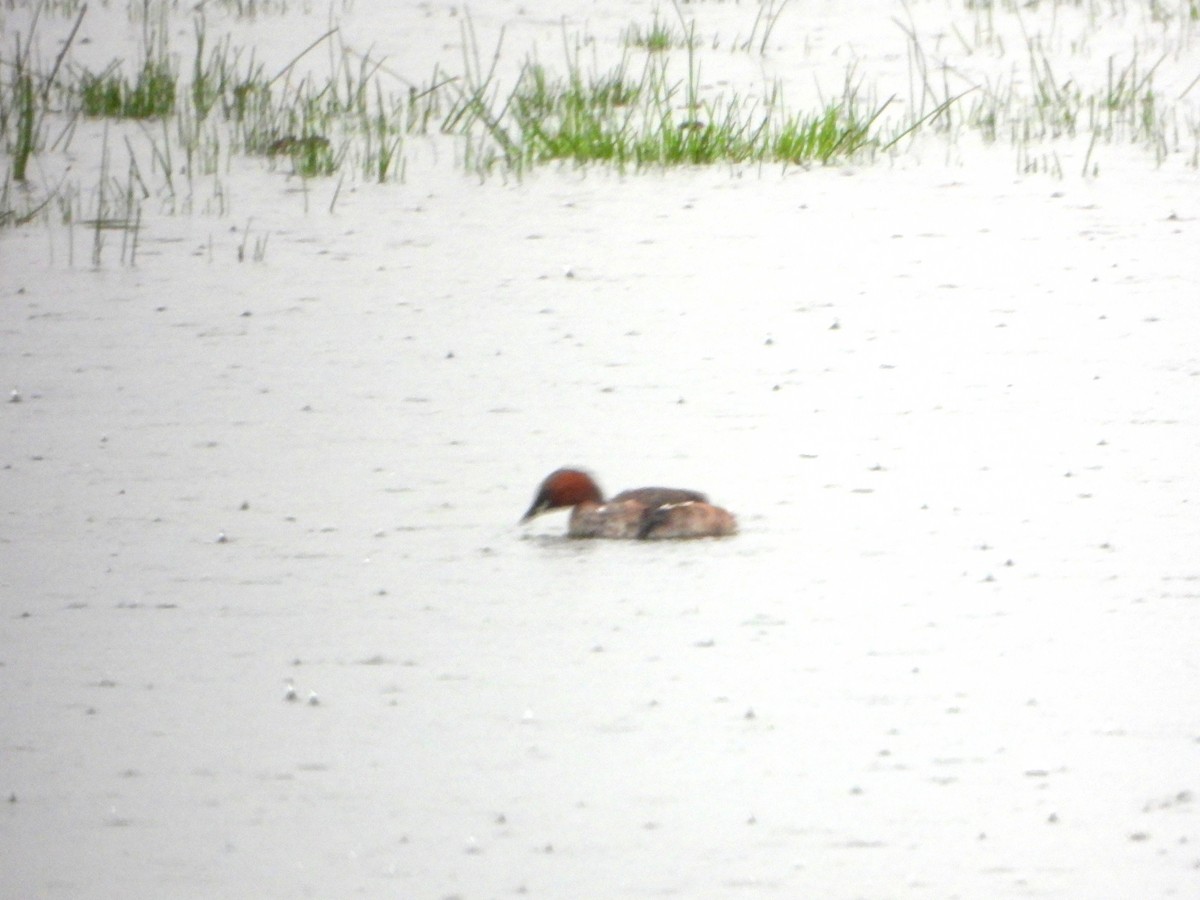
(647,513)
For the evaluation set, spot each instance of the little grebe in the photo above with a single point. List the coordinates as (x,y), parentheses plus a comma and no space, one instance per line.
(643,513)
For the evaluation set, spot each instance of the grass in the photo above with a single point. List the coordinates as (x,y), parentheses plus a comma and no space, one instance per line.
(24,101)
(1005,72)
(247,9)
(185,128)
(658,36)
(646,118)
(150,95)
(1052,106)
(28,119)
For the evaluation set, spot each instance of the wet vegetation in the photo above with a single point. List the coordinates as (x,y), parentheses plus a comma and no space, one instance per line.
(151,94)
(650,120)
(176,122)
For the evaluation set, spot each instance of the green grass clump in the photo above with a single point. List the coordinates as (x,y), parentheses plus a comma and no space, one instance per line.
(838,131)
(26,119)
(150,95)
(658,37)
(651,121)
(573,118)
(24,105)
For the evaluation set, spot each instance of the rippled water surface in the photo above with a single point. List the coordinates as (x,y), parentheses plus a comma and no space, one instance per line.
(951,654)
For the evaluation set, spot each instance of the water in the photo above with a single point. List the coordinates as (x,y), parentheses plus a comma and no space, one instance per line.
(951,654)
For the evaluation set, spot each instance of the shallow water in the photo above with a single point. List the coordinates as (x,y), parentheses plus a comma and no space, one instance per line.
(951,654)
